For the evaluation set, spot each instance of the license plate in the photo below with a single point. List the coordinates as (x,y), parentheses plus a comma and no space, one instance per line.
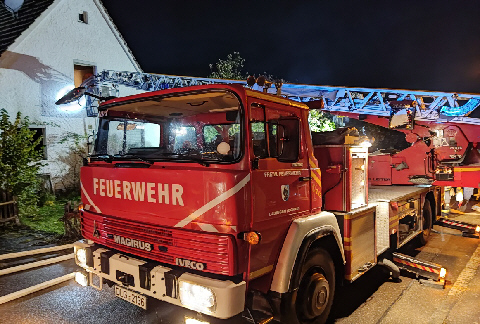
(131,297)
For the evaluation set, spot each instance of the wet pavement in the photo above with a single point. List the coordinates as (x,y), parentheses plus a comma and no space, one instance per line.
(412,302)
(70,303)
(373,298)
(15,238)
(20,280)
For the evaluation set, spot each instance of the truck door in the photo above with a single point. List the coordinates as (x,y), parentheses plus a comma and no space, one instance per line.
(280,178)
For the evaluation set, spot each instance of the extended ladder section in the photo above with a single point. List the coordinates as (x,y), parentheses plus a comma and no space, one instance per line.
(431,105)
(154,82)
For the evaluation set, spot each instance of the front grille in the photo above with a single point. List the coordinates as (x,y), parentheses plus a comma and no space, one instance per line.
(214,250)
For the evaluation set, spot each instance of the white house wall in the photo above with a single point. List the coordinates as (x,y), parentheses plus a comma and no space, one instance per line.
(40,64)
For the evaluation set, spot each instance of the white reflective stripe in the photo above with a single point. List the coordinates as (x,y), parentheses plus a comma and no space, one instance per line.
(208,227)
(234,228)
(212,203)
(88,198)
(87,207)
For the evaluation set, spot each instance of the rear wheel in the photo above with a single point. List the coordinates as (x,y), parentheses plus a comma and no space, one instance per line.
(313,300)
(426,223)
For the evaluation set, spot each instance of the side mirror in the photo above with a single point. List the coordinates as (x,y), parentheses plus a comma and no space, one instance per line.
(402,114)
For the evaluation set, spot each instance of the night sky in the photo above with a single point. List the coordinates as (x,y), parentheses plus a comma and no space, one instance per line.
(429,45)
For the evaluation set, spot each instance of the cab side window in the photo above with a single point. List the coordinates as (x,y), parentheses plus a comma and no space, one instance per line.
(259,140)
(278,137)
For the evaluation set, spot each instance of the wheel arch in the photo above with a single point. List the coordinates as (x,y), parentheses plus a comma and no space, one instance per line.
(329,243)
(319,230)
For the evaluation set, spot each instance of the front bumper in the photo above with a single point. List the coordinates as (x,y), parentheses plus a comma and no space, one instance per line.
(157,281)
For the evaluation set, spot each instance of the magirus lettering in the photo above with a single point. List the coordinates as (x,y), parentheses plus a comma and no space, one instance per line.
(132,243)
(190,264)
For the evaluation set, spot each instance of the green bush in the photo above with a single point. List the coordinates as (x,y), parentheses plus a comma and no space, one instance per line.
(230,69)
(319,121)
(19,161)
(48,219)
(45,198)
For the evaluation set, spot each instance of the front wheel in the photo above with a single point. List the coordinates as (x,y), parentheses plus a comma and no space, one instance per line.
(313,300)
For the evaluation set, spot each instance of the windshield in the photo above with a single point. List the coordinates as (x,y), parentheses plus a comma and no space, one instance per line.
(203,127)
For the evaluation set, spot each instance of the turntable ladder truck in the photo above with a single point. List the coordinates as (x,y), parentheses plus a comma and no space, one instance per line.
(214,197)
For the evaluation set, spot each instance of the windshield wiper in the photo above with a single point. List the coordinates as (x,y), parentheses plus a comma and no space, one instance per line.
(104,157)
(119,156)
(200,161)
(188,157)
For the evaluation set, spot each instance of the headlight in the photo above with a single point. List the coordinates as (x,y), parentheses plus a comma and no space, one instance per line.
(81,256)
(197,297)
(81,278)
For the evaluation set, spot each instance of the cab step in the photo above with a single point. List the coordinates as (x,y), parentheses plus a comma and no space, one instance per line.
(424,269)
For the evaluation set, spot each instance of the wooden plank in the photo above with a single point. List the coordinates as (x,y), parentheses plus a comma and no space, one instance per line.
(33,252)
(33,289)
(37,264)
(8,207)
(4,220)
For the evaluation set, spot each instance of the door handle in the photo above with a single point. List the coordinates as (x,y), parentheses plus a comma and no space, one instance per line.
(305,178)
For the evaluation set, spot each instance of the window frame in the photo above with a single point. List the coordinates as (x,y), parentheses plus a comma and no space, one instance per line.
(106,117)
(269,132)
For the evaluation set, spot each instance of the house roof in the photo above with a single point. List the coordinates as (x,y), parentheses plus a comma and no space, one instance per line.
(12,25)
(117,34)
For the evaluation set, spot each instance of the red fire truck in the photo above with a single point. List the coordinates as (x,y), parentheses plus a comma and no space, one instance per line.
(215,198)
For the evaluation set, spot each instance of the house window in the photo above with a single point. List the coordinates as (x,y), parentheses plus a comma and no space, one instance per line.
(41,147)
(81,73)
(83,17)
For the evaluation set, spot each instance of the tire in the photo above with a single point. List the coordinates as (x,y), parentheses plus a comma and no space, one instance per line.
(312,301)
(426,223)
